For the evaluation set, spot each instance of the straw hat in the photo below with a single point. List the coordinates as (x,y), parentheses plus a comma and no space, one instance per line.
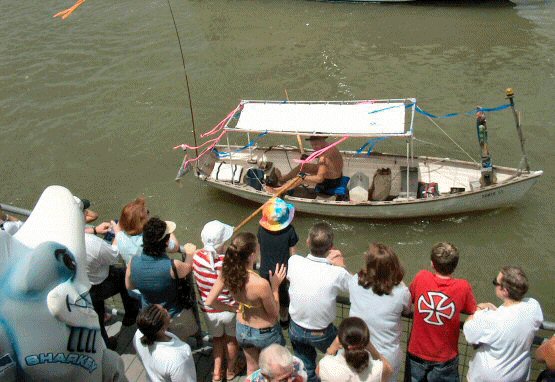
(277,214)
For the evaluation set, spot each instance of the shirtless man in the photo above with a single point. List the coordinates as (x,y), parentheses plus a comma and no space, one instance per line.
(326,173)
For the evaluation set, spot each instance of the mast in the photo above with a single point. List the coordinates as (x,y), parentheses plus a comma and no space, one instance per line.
(524,160)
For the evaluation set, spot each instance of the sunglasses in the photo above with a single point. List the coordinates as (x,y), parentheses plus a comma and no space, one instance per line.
(496,283)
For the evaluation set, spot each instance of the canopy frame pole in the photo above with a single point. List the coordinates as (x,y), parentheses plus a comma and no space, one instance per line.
(408,167)
(250,146)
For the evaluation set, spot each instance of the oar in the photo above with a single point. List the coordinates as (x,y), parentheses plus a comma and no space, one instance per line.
(283,189)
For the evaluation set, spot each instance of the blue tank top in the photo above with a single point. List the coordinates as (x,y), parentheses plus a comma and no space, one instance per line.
(151,276)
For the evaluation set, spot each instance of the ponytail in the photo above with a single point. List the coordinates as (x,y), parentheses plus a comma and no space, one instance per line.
(149,321)
(234,268)
(354,336)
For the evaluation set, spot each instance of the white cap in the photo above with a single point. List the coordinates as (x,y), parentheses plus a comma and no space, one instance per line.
(214,234)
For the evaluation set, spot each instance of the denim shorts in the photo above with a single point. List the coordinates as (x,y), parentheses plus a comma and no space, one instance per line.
(249,337)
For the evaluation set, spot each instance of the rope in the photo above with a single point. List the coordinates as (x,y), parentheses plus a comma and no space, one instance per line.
(452,140)
(427,143)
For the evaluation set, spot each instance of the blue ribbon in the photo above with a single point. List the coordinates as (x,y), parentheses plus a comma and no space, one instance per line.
(223,154)
(372,143)
(391,107)
(471,112)
(449,115)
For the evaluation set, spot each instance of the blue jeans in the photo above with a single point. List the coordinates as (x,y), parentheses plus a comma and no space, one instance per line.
(258,338)
(421,370)
(305,342)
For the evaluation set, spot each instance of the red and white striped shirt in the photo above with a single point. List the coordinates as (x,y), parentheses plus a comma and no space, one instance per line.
(206,276)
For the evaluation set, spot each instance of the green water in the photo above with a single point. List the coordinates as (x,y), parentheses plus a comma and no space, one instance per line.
(96,103)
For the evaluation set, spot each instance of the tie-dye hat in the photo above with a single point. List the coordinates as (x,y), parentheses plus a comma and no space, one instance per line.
(277,214)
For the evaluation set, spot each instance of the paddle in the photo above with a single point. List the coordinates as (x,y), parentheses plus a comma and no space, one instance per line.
(283,189)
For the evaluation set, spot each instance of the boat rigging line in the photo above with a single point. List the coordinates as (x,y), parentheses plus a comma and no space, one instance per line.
(186,77)
(452,140)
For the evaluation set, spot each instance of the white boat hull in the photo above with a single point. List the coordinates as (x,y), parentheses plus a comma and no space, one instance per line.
(510,188)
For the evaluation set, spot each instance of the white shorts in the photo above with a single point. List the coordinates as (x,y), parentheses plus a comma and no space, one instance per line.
(220,323)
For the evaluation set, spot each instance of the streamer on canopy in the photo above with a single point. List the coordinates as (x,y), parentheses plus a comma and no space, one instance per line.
(318,153)
(66,12)
(187,162)
(223,154)
(372,143)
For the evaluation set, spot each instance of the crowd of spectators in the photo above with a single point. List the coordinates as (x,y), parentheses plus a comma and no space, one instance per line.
(247,311)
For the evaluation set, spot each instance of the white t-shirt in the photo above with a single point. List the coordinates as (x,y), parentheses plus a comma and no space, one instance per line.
(505,336)
(166,361)
(382,314)
(100,255)
(334,368)
(11,227)
(314,285)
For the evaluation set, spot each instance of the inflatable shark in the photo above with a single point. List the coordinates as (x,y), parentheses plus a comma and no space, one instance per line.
(48,328)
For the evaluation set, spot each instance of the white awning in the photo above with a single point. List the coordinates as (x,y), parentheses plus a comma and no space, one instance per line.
(361,118)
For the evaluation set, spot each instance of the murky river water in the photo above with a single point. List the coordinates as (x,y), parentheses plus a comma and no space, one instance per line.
(96,103)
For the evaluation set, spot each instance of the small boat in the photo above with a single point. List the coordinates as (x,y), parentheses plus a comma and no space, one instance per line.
(408,186)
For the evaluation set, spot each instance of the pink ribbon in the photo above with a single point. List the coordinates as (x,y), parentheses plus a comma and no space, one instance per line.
(222,123)
(185,146)
(318,153)
(207,150)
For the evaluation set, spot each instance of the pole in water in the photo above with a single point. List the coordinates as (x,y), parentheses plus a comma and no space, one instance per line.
(524,161)
(186,78)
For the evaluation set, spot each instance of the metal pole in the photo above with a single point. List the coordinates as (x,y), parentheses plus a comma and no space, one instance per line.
(510,95)
(408,169)
(15,210)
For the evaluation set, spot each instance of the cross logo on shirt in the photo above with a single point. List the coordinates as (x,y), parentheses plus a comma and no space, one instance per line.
(435,307)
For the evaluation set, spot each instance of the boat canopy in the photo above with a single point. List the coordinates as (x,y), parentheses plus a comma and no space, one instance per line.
(375,118)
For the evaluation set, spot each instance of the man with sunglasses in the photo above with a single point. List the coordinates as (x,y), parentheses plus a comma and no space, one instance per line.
(277,364)
(503,336)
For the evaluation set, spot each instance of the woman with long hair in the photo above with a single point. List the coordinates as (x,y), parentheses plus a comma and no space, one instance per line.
(164,356)
(128,230)
(258,301)
(379,297)
(152,274)
(352,357)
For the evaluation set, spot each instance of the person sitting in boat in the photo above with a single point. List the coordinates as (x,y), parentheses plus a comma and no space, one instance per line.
(326,174)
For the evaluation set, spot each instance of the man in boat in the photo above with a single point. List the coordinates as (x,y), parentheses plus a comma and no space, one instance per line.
(326,174)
